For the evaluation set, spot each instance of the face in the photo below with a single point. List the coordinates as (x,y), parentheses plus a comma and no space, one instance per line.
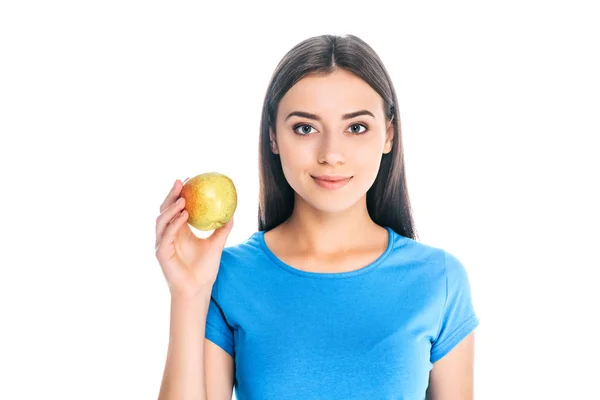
(332,144)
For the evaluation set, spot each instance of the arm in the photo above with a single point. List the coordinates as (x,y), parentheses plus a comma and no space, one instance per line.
(451,377)
(185,374)
(219,372)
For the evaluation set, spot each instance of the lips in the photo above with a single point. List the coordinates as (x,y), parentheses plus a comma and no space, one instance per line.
(331,178)
(331,181)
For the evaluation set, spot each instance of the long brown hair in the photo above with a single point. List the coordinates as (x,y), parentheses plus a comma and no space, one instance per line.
(387,200)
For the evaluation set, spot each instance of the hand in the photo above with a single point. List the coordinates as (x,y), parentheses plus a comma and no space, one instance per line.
(189,263)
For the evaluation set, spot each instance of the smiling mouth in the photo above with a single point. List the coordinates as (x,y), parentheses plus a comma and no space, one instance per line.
(329,182)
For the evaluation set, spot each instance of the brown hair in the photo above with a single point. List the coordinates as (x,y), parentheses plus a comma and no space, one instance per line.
(387,200)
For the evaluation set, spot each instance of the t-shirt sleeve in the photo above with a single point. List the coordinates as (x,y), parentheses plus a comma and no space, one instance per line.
(458,318)
(218,330)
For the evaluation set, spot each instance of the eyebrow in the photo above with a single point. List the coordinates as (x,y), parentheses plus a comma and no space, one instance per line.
(316,117)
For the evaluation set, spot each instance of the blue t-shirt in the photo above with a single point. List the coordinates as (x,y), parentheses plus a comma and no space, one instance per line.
(372,333)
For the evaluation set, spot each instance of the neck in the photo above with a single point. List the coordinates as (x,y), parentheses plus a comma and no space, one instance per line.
(320,232)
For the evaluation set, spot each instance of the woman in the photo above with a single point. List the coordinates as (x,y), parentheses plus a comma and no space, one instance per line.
(332,297)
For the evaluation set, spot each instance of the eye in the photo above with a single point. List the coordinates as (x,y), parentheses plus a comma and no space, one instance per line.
(356,125)
(304,131)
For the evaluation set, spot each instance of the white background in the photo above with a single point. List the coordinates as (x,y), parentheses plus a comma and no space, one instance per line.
(104,104)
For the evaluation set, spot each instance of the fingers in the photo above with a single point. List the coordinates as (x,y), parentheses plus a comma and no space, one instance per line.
(171,230)
(168,216)
(172,196)
(219,235)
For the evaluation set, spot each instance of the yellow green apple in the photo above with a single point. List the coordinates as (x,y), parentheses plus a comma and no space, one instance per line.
(210,200)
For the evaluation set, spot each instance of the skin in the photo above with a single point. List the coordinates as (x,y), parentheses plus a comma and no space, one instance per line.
(451,377)
(324,223)
(321,234)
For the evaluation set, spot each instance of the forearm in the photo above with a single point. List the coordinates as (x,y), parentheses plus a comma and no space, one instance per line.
(184,377)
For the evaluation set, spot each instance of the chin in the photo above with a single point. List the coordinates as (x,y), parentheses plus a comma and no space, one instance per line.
(332,206)
(331,202)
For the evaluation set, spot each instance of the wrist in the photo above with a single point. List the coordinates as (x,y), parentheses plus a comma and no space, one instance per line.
(201,298)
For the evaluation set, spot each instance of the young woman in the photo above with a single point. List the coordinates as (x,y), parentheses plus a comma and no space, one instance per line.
(333,297)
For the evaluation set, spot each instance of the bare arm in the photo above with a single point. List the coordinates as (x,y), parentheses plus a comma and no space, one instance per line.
(220,371)
(196,369)
(183,377)
(190,265)
(451,377)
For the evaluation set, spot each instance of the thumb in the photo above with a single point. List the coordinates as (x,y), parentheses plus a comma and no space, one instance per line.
(219,235)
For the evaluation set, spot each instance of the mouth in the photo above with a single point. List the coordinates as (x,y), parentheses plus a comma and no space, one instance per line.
(331,182)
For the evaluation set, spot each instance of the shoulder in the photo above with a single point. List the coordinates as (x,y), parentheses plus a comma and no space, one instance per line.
(241,261)
(438,267)
(239,251)
(454,267)
(435,261)
(413,251)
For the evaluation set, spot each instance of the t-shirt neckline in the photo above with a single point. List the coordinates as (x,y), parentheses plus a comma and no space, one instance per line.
(326,275)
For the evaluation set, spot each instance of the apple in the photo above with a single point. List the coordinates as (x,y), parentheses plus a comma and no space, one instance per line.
(210,200)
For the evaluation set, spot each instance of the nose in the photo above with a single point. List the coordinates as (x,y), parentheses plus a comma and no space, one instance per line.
(330,149)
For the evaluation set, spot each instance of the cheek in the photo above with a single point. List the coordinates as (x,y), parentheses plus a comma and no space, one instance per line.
(295,160)
(295,154)
(366,161)
(367,153)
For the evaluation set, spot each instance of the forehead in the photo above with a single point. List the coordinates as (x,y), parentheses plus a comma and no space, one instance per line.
(333,94)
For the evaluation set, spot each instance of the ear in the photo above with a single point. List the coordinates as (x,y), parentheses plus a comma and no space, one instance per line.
(389,138)
(273,142)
